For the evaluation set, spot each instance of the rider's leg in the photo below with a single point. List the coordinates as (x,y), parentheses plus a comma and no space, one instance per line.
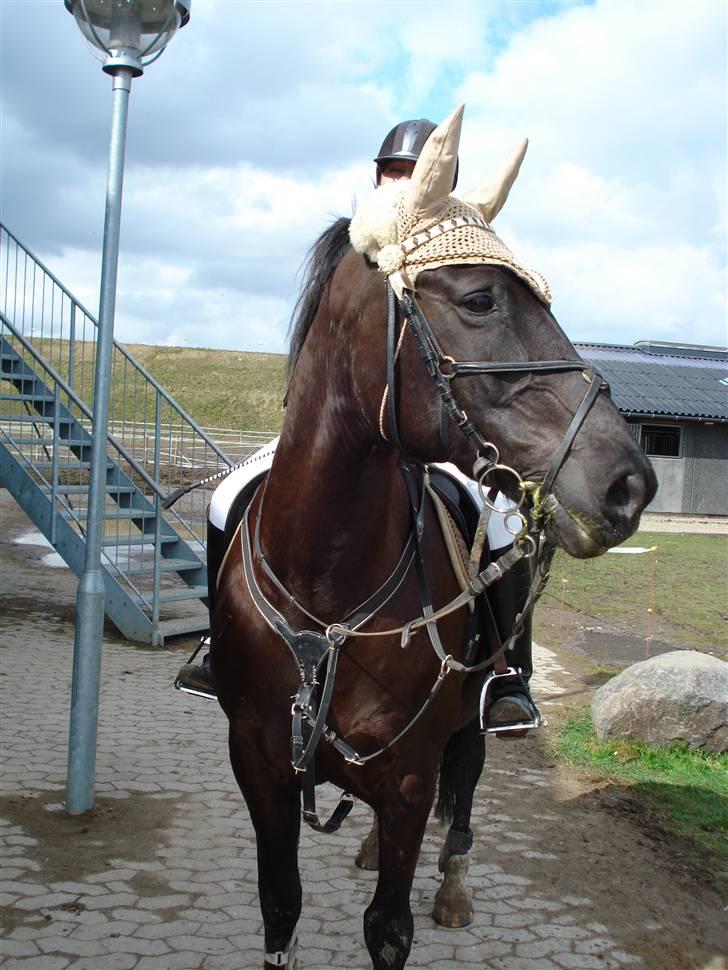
(511,702)
(199,675)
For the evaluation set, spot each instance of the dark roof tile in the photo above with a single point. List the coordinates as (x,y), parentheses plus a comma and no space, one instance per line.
(662,383)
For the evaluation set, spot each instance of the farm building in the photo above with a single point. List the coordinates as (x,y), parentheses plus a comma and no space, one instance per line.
(675,398)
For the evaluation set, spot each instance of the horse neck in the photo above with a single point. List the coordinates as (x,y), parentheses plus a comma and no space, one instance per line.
(335,513)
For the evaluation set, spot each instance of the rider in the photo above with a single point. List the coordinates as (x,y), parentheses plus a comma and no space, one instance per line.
(511,704)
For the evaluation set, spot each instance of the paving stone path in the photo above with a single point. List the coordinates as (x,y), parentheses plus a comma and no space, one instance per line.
(162,874)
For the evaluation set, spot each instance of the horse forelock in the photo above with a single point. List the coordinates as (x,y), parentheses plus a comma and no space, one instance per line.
(320,264)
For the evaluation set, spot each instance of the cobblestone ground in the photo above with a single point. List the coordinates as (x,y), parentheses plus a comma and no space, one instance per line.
(162,874)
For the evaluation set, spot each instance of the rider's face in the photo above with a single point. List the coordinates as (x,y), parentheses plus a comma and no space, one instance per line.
(395,170)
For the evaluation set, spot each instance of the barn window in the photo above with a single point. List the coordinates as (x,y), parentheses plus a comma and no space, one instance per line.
(661,441)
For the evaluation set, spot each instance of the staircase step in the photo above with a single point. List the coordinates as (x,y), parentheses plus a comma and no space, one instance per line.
(137,540)
(65,442)
(166,566)
(183,593)
(177,594)
(185,624)
(27,397)
(83,489)
(33,418)
(121,515)
(76,466)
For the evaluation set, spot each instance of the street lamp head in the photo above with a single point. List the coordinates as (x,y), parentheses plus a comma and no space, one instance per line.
(129,34)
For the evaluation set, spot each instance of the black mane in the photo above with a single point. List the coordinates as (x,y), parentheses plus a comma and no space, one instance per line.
(321,261)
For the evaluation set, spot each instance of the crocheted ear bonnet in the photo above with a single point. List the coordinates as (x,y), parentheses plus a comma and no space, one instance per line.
(412,225)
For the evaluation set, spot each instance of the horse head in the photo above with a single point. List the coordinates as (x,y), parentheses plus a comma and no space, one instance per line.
(478,326)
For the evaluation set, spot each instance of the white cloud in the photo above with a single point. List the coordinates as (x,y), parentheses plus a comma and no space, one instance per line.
(621,200)
(256,128)
(665,292)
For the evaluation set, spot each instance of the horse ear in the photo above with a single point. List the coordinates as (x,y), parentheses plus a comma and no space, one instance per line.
(434,172)
(490,196)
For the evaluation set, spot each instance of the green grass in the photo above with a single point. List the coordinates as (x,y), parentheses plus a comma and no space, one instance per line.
(686,790)
(220,388)
(685,582)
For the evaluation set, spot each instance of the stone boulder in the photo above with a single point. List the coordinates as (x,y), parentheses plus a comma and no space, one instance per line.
(678,697)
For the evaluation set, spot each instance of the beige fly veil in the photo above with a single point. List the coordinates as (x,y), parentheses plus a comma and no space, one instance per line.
(412,225)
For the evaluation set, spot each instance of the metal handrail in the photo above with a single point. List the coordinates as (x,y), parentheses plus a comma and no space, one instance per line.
(155,444)
(81,405)
(109,563)
(117,346)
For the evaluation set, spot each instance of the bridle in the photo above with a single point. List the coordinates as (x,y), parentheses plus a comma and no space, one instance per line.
(443,369)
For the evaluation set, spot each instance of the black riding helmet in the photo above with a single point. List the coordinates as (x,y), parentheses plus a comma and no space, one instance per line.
(405,141)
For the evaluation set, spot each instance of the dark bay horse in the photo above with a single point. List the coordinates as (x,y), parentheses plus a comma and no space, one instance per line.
(329,528)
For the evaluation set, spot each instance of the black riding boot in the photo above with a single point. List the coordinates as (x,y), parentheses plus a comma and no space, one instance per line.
(197,678)
(510,708)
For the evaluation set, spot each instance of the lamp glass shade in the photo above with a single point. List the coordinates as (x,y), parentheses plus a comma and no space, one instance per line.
(141,27)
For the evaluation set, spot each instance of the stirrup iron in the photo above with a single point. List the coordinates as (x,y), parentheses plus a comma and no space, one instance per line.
(512,674)
(189,688)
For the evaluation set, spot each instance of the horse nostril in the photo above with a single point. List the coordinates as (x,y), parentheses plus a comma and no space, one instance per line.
(627,496)
(619,492)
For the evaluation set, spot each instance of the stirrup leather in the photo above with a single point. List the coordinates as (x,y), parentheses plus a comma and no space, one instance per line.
(513,675)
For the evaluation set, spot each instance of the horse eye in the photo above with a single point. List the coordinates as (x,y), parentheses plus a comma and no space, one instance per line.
(479,303)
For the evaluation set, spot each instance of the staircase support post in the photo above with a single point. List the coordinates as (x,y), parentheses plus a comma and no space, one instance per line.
(90,600)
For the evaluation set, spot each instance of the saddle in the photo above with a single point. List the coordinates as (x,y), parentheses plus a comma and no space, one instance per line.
(458,502)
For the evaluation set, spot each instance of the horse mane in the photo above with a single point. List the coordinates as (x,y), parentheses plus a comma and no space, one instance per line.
(321,261)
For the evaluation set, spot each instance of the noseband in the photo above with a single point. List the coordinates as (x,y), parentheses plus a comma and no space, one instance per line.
(444,369)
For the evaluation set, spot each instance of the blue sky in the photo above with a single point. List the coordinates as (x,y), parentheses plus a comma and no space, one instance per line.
(256,127)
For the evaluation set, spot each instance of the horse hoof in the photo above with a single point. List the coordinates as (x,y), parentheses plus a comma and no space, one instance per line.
(368,855)
(453,903)
(454,912)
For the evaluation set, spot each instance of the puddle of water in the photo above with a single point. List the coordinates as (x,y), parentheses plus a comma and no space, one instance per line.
(54,560)
(35,538)
(32,538)
(632,549)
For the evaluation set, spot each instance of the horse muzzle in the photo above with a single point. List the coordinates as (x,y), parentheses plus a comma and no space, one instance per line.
(585,532)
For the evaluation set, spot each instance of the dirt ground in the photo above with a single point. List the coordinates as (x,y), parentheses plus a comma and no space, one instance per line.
(581,845)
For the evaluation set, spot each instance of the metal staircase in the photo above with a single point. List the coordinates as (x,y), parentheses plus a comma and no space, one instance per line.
(153,560)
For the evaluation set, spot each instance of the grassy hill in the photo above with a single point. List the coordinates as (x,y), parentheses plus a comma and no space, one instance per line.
(220,388)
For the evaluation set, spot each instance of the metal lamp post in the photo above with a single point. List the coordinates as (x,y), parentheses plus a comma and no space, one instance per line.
(126,35)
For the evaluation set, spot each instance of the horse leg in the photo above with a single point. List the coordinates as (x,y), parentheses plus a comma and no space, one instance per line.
(368,855)
(462,764)
(276,816)
(388,922)
(279,886)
